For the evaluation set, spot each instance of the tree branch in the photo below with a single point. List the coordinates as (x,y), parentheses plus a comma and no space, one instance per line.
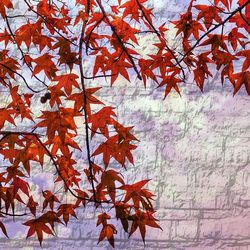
(15,72)
(44,19)
(85,109)
(160,37)
(119,40)
(23,56)
(239,9)
(8,133)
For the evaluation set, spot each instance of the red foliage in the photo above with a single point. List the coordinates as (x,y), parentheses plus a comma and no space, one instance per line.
(42,58)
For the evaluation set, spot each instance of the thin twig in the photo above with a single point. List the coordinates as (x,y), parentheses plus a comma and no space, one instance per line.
(245,20)
(23,56)
(8,133)
(239,9)
(85,110)
(44,19)
(15,72)
(119,40)
(160,37)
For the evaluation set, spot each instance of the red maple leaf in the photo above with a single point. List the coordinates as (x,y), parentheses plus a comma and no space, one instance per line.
(108,180)
(39,227)
(138,195)
(32,205)
(66,210)
(45,63)
(111,148)
(141,220)
(67,82)
(100,121)
(5,4)
(49,198)
(241,78)
(58,122)
(6,116)
(209,14)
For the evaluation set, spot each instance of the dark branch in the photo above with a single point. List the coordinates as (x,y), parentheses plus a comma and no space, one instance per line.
(44,19)
(119,40)
(85,110)
(239,9)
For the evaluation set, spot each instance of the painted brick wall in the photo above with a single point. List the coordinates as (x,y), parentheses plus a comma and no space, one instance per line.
(196,151)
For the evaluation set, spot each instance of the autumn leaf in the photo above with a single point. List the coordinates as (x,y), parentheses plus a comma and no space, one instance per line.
(138,195)
(2,226)
(120,67)
(62,144)
(6,37)
(30,152)
(226,3)
(60,122)
(49,199)
(13,172)
(18,183)
(108,232)
(141,220)
(68,174)
(222,58)
(216,41)
(241,20)
(131,9)
(8,67)
(188,26)
(31,33)
(39,227)
(78,99)
(6,115)
(209,14)
(51,218)
(124,30)
(5,4)
(235,37)
(108,180)
(66,210)
(67,82)
(32,205)
(46,64)
(124,133)
(201,70)
(100,121)
(246,54)
(147,70)
(122,213)
(19,104)
(55,95)
(82,196)
(170,81)
(240,79)
(111,148)
(67,56)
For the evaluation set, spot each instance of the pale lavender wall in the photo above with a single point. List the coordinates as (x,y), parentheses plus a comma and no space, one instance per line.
(196,151)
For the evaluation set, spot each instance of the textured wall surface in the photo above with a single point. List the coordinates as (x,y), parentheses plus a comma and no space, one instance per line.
(196,151)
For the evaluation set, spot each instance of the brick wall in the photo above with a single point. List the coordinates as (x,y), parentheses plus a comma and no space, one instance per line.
(196,151)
